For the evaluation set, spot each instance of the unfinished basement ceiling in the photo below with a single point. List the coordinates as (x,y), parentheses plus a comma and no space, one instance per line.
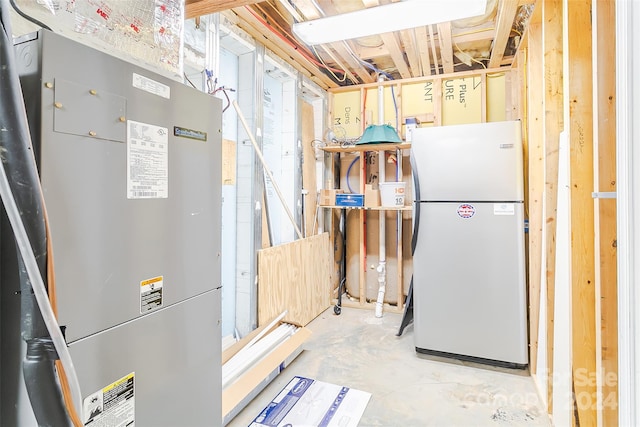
(486,41)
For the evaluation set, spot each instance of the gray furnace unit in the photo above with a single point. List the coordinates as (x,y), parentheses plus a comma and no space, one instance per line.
(130,168)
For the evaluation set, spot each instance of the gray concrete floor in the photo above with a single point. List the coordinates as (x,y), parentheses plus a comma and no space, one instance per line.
(360,351)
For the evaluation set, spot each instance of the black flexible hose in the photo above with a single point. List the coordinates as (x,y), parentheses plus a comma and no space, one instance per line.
(27,17)
(18,161)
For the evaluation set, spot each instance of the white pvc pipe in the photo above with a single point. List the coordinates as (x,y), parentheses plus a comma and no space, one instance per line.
(382,258)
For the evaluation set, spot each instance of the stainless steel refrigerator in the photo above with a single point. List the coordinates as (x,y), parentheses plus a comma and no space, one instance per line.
(469,265)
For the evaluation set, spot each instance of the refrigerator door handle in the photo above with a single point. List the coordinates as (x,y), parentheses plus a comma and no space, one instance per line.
(416,202)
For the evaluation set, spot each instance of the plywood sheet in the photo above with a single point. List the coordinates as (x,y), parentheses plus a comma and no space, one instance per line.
(308,168)
(296,277)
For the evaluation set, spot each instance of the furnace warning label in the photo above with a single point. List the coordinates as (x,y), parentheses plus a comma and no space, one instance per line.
(147,161)
(113,406)
(150,294)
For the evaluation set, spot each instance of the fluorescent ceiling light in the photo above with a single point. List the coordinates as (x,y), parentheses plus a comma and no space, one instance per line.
(386,18)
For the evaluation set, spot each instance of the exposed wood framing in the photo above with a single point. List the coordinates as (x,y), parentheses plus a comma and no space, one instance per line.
(579,100)
(338,61)
(408,38)
(397,56)
(506,13)
(249,23)
(195,8)
(423,51)
(292,10)
(308,169)
(432,42)
(553,125)
(535,125)
(606,224)
(342,49)
(446,46)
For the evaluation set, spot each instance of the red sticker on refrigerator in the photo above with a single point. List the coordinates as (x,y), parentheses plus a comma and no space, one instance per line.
(466,211)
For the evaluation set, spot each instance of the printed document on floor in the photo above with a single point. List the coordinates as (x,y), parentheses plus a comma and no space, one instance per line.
(305,402)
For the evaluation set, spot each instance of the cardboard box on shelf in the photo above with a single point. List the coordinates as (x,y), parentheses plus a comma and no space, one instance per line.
(328,196)
(371,196)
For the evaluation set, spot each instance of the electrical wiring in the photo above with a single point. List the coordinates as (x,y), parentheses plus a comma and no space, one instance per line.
(304,53)
(471,57)
(339,79)
(224,91)
(349,171)
(188,80)
(27,17)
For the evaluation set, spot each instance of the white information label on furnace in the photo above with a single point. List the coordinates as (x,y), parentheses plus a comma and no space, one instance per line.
(150,294)
(147,161)
(504,209)
(151,86)
(113,406)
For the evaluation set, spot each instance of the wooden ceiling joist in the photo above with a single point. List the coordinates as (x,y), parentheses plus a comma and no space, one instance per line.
(434,55)
(396,54)
(408,38)
(393,46)
(423,50)
(446,47)
(340,63)
(342,49)
(249,23)
(193,8)
(506,14)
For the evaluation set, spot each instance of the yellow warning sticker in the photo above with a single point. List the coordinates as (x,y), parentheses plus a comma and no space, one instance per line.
(151,294)
(113,406)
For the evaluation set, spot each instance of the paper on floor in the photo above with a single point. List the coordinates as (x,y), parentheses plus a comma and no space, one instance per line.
(305,402)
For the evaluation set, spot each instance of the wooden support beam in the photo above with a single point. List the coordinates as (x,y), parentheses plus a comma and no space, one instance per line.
(432,42)
(395,51)
(338,62)
(408,38)
(606,208)
(506,13)
(343,49)
(292,10)
(308,168)
(552,21)
(535,125)
(446,47)
(579,100)
(244,19)
(423,50)
(195,8)
(393,46)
